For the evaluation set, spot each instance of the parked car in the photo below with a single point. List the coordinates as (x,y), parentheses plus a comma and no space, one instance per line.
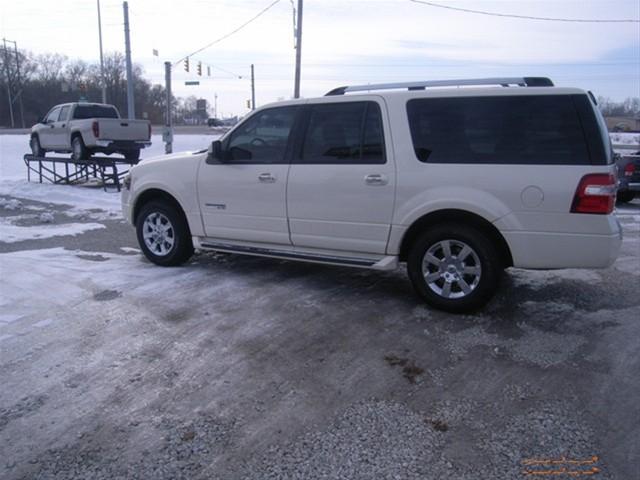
(459,183)
(628,167)
(83,129)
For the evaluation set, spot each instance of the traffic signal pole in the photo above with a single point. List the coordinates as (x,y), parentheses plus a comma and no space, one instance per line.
(253,90)
(296,88)
(167,134)
(131,111)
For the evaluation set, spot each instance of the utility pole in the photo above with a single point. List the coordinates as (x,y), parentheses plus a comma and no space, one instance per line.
(104,86)
(167,134)
(215,105)
(6,64)
(296,88)
(15,46)
(131,112)
(253,90)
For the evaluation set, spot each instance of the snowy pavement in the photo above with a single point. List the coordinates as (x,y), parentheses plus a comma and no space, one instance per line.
(245,367)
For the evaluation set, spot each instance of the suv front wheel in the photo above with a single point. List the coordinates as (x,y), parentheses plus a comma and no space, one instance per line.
(163,234)
(454,268)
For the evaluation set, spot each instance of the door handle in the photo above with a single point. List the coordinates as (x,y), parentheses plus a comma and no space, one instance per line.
(266,178)
(376,179)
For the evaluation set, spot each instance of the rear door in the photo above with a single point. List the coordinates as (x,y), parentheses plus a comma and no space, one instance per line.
(341,185)
(242,197)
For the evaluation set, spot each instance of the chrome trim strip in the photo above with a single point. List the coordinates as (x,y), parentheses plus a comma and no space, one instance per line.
(361,262)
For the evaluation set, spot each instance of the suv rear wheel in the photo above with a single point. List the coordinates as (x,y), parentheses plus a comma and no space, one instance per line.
(163,234)
(454,268)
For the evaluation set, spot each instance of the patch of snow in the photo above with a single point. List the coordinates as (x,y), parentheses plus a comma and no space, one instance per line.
(37,282)
(538,279)
(10,203)
(10,233)
(46,217)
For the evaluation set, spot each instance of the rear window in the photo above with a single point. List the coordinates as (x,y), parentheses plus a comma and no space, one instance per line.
(502,130)
(94,111)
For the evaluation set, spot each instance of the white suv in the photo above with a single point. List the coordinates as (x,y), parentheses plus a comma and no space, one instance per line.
(459,183)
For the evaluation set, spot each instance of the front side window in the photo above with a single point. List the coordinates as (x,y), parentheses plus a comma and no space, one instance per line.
(344,133)
(502,130)
(64,113)
(53,115)
(263,138)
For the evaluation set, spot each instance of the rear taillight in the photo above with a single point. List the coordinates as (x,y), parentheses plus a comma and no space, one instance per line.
(629,168)
(96,129)
(596,193)
(149,131)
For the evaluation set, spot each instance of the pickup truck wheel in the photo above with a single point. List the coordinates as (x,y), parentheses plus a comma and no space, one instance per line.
(36,149)
(78,150)
(625,196)
(163,234)
(132,154)
(454,268)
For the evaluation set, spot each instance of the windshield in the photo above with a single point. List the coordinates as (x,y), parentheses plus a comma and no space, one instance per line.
(94,111)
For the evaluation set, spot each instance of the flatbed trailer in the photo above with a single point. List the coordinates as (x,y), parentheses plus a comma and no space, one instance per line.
(66,171)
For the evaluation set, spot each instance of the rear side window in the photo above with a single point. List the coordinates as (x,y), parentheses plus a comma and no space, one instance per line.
(82,112)
(344,133)
(502,130)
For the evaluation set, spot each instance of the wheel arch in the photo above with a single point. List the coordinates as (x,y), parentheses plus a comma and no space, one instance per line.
(462,217)
(157,194)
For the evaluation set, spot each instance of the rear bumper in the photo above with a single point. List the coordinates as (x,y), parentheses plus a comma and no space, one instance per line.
(564,250)
(123,144)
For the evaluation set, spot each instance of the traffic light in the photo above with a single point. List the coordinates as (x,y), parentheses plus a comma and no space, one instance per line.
(248,103)
(208,71)
(200,69)
(186,64)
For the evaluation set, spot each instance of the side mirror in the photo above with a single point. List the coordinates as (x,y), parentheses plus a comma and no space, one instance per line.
(215,153)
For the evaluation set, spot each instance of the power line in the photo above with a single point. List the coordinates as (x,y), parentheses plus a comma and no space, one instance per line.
(526,17)
(262,12)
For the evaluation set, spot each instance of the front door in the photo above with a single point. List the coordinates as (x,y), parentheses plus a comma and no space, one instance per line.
(47,133)
(242,196)
(342,179)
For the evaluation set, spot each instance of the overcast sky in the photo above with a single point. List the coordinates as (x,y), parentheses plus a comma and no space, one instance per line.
(345,42)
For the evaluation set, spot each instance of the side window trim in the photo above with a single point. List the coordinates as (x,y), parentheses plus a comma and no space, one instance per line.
(303,131)
(286,158)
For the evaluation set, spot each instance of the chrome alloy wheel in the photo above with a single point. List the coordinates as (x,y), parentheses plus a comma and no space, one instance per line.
(451,269)
(158,234)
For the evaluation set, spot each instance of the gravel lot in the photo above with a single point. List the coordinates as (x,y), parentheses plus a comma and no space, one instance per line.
(241,367)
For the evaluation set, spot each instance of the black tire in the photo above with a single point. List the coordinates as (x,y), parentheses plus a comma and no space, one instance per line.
(132,155)
(482,286)
(625,196)
(181,247)
(78,150)
(36,148)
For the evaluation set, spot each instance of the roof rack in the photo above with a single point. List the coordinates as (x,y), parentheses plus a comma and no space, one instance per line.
(504,82)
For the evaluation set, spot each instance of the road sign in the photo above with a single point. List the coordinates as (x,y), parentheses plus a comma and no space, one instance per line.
(192,82)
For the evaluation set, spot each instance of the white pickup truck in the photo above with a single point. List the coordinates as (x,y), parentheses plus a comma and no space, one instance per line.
(87,128)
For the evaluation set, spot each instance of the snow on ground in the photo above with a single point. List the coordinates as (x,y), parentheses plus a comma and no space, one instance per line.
(65,277)
(13,174)
(11,233)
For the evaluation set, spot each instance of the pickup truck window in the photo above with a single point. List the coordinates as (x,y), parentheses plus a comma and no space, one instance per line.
(64,113)
(53,115)
(82,112)
(263,138)
(344,133)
